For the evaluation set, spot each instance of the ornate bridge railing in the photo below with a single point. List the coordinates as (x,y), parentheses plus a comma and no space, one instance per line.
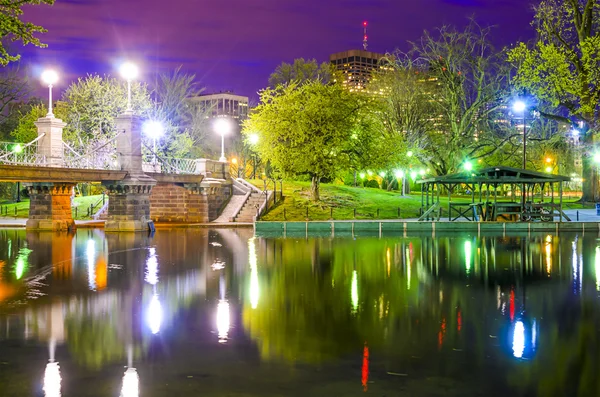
(171,165)
(102,158)
(14,153)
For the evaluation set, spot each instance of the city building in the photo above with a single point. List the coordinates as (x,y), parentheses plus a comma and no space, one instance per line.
(357,67)
(225,104)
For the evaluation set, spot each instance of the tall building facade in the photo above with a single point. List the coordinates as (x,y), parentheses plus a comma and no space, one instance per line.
(224,104)
(357,67)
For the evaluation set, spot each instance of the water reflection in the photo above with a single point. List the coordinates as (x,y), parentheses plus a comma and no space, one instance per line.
(52,380)
(494,315)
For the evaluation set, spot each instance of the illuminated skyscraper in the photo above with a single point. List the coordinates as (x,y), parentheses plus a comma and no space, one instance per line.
(356,67)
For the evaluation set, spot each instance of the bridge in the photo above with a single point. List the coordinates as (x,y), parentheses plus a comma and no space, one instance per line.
(185,190)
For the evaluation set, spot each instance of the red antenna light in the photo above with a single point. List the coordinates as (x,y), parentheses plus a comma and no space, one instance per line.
(365,23)
(365,44)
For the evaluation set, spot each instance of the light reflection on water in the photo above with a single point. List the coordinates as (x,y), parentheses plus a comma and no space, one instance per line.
(377,314)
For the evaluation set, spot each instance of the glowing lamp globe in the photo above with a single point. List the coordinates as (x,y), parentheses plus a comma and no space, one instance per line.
(519,106)
(468,166)
(49,77)
(222,126)
(399,174)
(129,71)
(596,158)
(153,129)
(253,139)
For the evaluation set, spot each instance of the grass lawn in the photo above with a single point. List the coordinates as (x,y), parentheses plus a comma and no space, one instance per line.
(340,202)
(82,203)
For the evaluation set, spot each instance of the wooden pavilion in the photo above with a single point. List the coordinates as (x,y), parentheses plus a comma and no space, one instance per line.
(530,195)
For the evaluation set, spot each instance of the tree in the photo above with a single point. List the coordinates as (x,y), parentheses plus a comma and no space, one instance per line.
(14,90)
(446,96)
(12,28)
(26,131)
(299,72)
(90,105)
(562,68)
(186,121)
(468,85)
(315,129)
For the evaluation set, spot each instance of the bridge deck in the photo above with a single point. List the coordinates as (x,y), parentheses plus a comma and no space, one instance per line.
(20,173)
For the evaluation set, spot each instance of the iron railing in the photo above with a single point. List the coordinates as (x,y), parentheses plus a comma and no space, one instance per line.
(103,158)
(15,153)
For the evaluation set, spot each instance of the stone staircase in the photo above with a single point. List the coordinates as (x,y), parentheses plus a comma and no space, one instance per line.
(248,211)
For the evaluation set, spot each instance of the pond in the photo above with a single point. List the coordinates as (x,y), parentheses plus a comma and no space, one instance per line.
(199,312)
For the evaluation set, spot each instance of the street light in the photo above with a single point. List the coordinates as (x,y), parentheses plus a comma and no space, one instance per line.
(222,127)
(154,129)
(468,166)
(49,77)
(520,107)
(129,71)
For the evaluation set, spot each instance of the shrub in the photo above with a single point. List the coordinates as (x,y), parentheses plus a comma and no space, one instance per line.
(372,183)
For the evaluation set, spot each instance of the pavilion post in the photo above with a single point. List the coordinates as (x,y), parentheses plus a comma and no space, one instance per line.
(495,201)
(449,202)
(560,194)
(426,199)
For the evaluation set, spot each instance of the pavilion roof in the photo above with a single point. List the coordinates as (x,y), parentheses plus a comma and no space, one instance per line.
(498,175)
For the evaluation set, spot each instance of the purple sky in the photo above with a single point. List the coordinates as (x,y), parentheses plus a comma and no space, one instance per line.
(236,44)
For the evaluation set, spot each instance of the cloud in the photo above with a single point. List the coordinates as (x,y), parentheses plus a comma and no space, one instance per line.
(235,44)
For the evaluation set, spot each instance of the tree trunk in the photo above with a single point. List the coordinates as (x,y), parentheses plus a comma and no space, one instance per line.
(314,188)
(588,172)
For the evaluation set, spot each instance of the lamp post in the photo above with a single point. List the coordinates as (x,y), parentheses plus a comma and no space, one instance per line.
(49,77)
(129,71)
(253,140)
(520,107)
(154,129)
(222,127)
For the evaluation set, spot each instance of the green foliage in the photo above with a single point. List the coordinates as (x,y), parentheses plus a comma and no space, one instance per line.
(12,28)
(562,66)
(186,121)
(14,93)
(372,183)
(300,71)
(90,105)
(26,131)
(317,129)
(562,69)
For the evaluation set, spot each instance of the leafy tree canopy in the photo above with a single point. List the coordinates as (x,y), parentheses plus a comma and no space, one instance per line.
(300,71)
(317,129)
(12,28)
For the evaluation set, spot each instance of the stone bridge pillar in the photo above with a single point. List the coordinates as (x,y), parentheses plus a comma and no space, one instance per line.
(129,199)
(50,206)
(51,144)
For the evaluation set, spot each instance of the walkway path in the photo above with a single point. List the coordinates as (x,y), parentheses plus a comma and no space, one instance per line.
(234,204)
(20,222)
(585,215)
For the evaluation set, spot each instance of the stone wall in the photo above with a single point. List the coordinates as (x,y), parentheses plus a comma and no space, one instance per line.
(50,206)
(175,203)
(193,203)
(218,198)
(128,207)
